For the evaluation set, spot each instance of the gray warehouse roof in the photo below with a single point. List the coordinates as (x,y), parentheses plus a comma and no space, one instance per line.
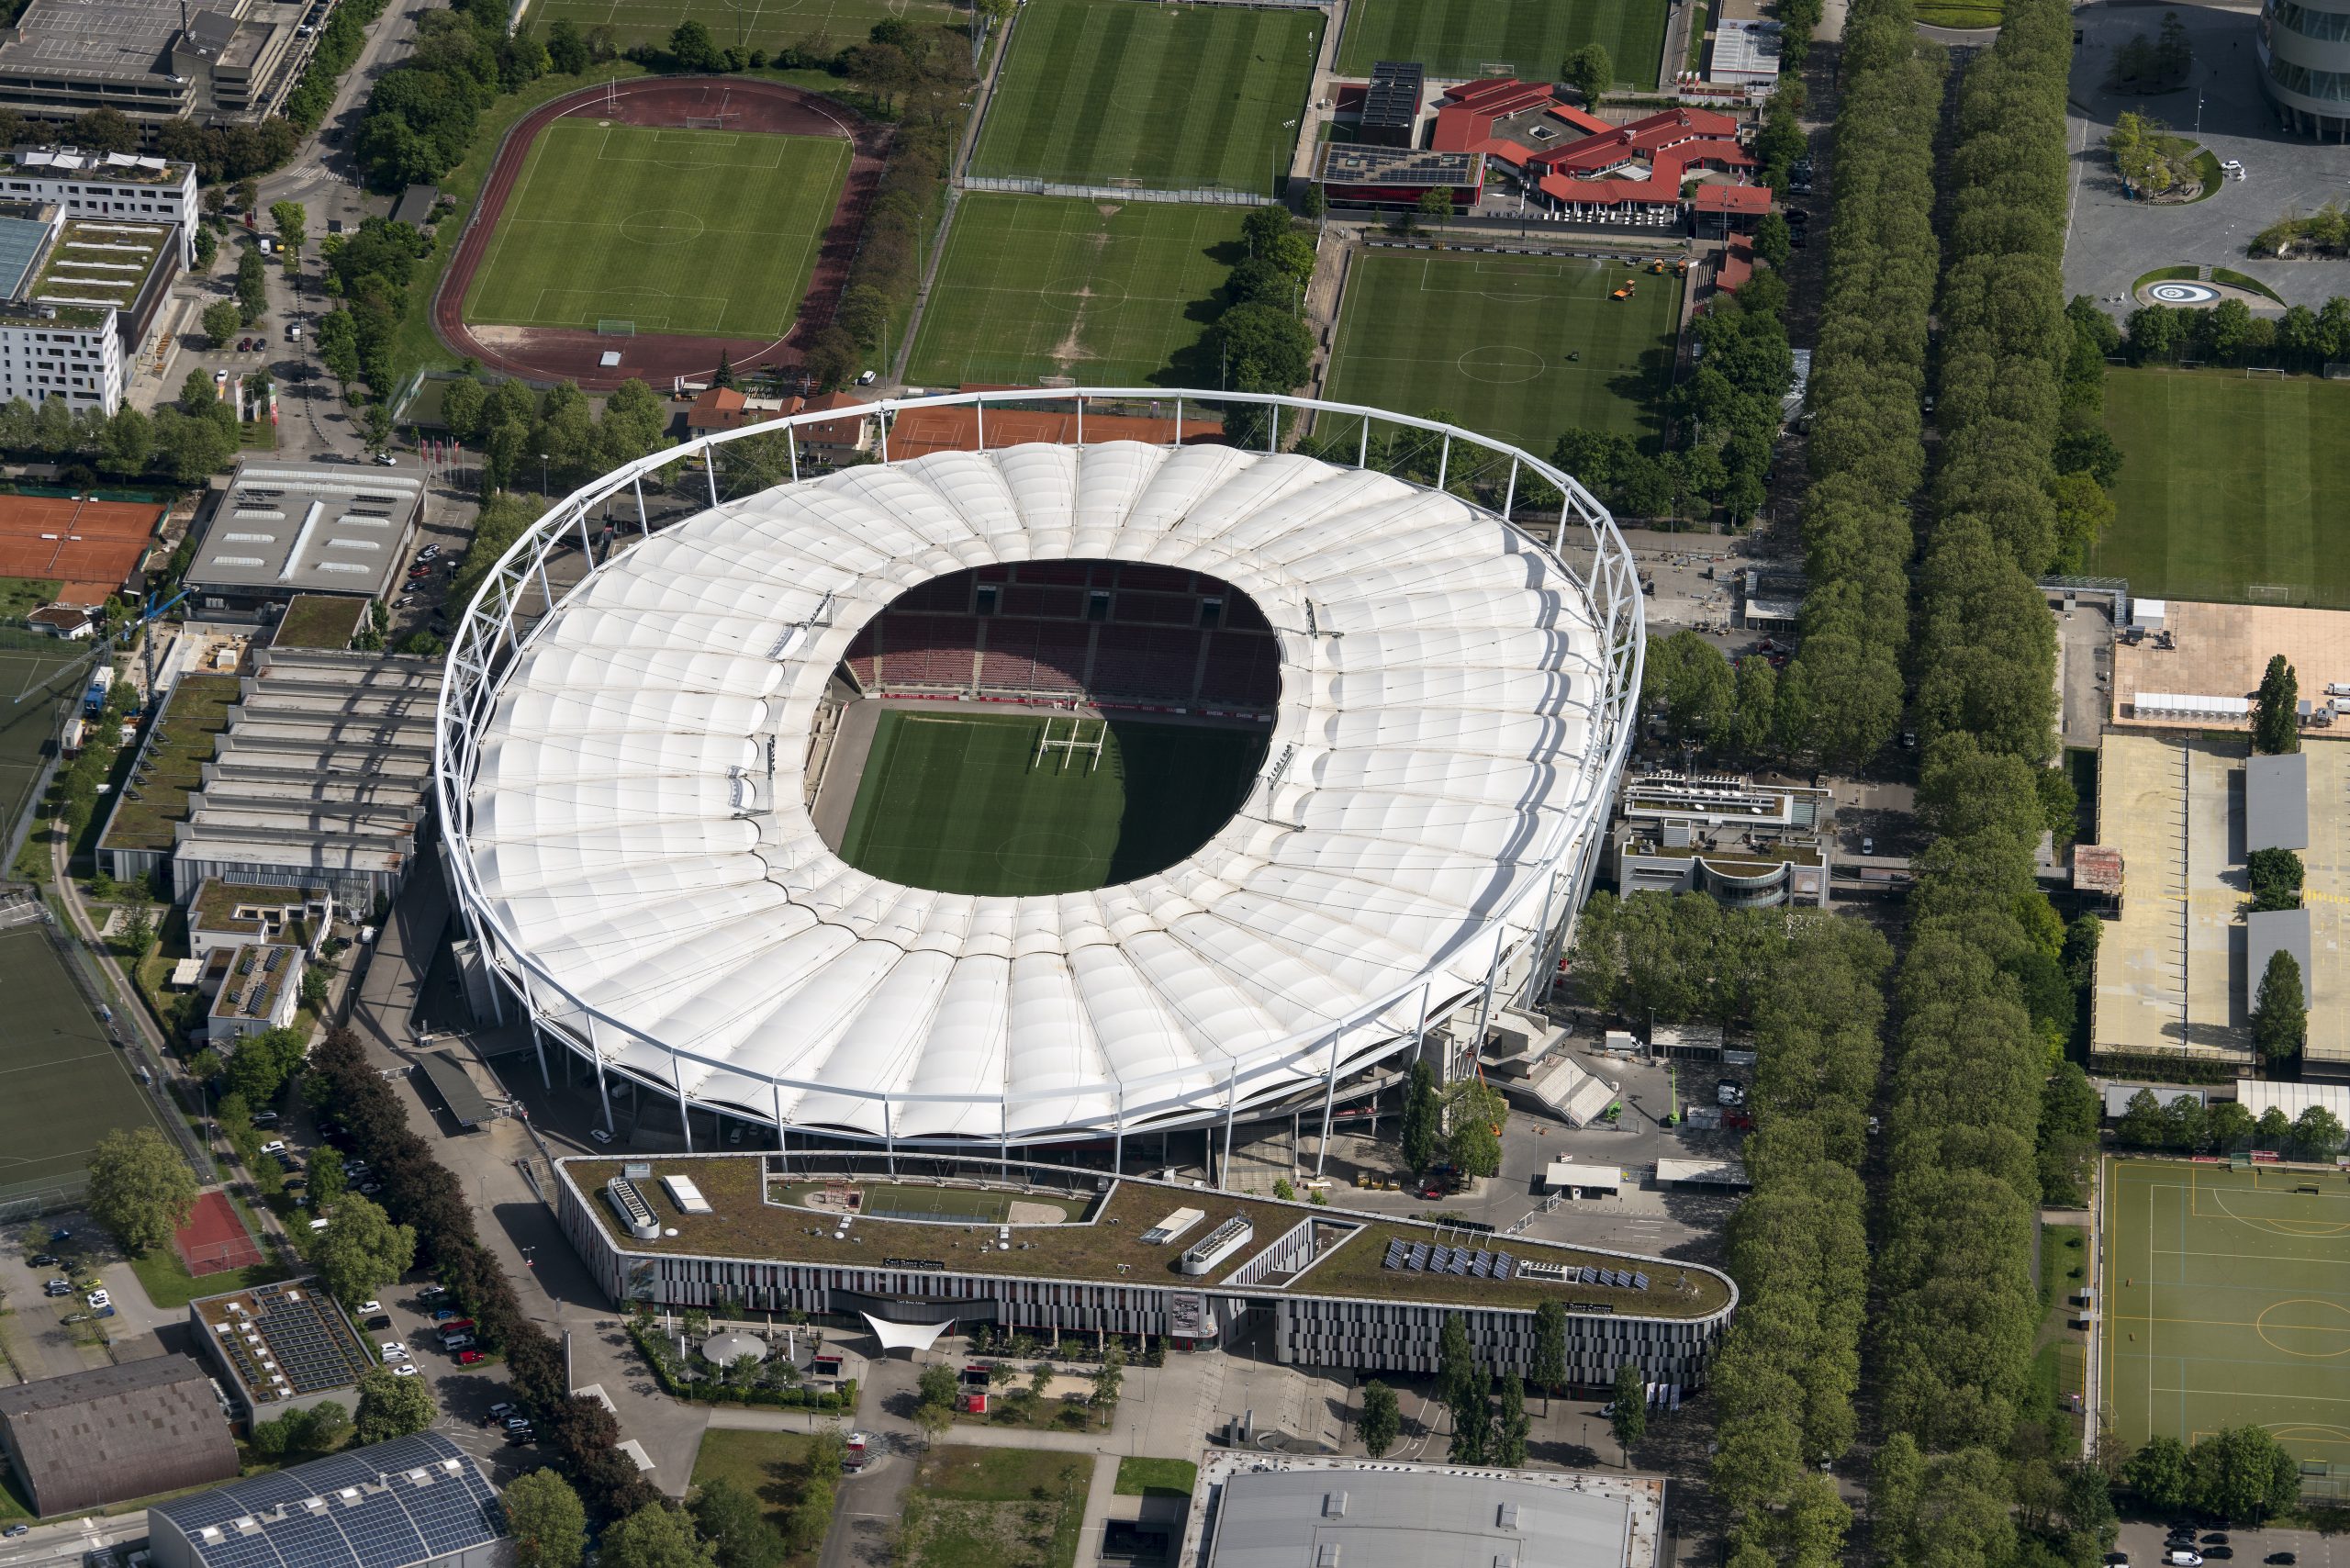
(308,529)
(1414,1519)
(2265,932)
(408,1501)
(2277,802)
(456,1090)
(114,1432)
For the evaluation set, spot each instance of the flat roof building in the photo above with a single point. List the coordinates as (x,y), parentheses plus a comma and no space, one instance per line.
(1744,843)
(415,1502)
(2276,802)
(281,530)
(1391,104)
(260,992)
(155,61)
(113,186)
(1398,177)
(280,1348)
(230,914)
(132,1430)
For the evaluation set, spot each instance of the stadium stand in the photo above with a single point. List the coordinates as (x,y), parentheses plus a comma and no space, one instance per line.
(1113,630)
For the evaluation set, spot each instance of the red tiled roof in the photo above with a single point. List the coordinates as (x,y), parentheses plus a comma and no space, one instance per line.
(1717,197)
(1736,267)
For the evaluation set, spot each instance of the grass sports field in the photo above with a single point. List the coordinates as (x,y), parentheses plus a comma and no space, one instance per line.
(1505,38)
(961,804)
(64,1085)
(2225,483)
(1520,347)
(747,24)
(705,232)
(1048,285)
(1169,96)
(34,688)
(2225,1304)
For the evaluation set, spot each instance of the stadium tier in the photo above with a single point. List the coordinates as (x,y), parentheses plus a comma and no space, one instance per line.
(1445,703)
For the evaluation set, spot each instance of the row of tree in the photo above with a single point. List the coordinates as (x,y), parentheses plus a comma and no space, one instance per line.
(1738,714)
(516,429)
(1798,1247)
(1867,449)
(338,48)
(421,113)
(422,1193)
(1675,958)
(2185,1124)
(2300,340)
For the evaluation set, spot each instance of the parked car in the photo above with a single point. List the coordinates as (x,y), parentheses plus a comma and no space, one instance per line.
(2180,1557)
(457,1342)
(468,1358)
(456,1325)
(98,1300)
(46,1261)
(394,1348)
(58,1287)
(264,1118)
(378,1323)
(406,1369)
(274,1146)
(2217,1538)
(2281,1558)
(12,1531)
(600,1135)
(366,1307)
(502,1409)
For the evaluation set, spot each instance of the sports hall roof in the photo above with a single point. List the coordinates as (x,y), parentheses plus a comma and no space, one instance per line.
(636,822)
(415,1499)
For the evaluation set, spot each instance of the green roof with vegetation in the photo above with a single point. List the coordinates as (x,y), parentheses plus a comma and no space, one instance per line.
(67,272)
(193,718)
(319,620)
(1112,1250)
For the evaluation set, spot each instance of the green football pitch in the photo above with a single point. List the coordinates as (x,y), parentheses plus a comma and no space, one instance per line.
(703,232)
(745,24)
(1519,347)
(34,688)
(2225,482)
(1046,286)
(962,803)
(2227,1301)
(66,1087)
(1505,38)
(1167,96)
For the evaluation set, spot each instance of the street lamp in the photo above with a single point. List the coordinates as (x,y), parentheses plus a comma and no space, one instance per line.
(542,473)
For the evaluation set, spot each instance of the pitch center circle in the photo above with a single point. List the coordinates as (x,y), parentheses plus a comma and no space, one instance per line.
(1501,365)
(2323,1327)
(661,226)
(2183,293)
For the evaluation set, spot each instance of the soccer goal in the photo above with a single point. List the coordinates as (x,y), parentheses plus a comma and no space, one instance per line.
(608,328)
(1079,739)
(705,122)
(2253,370)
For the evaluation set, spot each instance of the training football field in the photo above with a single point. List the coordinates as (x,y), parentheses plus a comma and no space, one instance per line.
(962,803)
(34,688)
(1046,286)
(744,24)
(1505,38)
(2227,1303)
(1095,92)
(65,1086)
(2230,486)
(709,233)
(1519,347)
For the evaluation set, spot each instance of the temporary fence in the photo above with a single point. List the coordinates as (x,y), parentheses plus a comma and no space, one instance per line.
(1196,196)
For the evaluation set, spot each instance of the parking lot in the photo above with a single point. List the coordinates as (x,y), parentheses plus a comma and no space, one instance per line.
(2143,1544)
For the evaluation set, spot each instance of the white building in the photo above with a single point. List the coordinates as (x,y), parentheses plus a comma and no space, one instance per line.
(107,184)
(73,292)
(260,992)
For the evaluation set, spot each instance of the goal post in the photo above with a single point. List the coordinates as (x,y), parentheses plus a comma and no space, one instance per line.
(2252,370)
(608,328)
(1078,740)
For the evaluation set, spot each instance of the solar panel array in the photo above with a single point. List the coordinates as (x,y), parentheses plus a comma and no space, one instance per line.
(391,1506)
(289,1340)
(1419,1258)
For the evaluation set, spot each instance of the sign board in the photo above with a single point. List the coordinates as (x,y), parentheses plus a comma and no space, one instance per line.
(1187,1316)
(933,1265)
(1600,1307)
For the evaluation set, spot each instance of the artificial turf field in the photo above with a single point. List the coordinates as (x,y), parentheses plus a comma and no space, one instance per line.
(747,24)
(703,232)
(64,1085)
(1505,38)
(1489,339)
(1048,285)
(1167,96)
(2227,487)
(2227,1303)
(33,689)
(959,804)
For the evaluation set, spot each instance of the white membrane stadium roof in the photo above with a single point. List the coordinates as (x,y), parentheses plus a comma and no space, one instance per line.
(639,832)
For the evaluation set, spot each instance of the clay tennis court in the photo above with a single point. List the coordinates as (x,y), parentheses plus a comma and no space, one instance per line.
(89,546)
(553,353)
(214,1240)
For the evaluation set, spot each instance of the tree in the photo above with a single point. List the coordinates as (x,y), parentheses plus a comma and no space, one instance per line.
(1262,350)
(1109,1378)
(1475,1112)
(2242,1474)
(937,1385)
(1773,239)
(392,1407)
(2317,1133)
(105,130)
(724,374)
(1628,1413)
(362,1251)
(735,1526)
(137,933)
(1460,1386)
(544,1516)
(324,1426)
(1381,1420)
(1589,72)
(290,220)
(566,48)
(2279,1014)
(1315,203)
(2141,1123)
(252,286)
(1550,1368)
(221,320)
(655,1536)
(1510,1426)
(2276,878)
(932,1420)
(1435,204)
(1422,1119)
(694,48)
(2275,713)
(140,1189)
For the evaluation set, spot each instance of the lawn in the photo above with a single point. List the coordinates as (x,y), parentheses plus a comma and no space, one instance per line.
(769,1465)
(2225,483)
(1157,1477)
(1519,347)
(1514,37)
(2224,1303)
(961,804)
(746,24)
(35,687)
(1169,96)
(701,232)
(170,1286)
(19,597)
(975,1508)
(65,1085)
(1032,287)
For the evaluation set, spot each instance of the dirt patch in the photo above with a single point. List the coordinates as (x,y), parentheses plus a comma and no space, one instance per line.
(1107,209)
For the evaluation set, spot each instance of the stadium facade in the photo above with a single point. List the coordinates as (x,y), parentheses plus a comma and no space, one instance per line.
(624,771)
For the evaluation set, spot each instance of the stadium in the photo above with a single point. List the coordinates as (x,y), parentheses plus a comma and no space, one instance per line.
(1042,794)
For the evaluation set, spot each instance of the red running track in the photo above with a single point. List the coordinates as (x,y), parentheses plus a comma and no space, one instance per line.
(552,353)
